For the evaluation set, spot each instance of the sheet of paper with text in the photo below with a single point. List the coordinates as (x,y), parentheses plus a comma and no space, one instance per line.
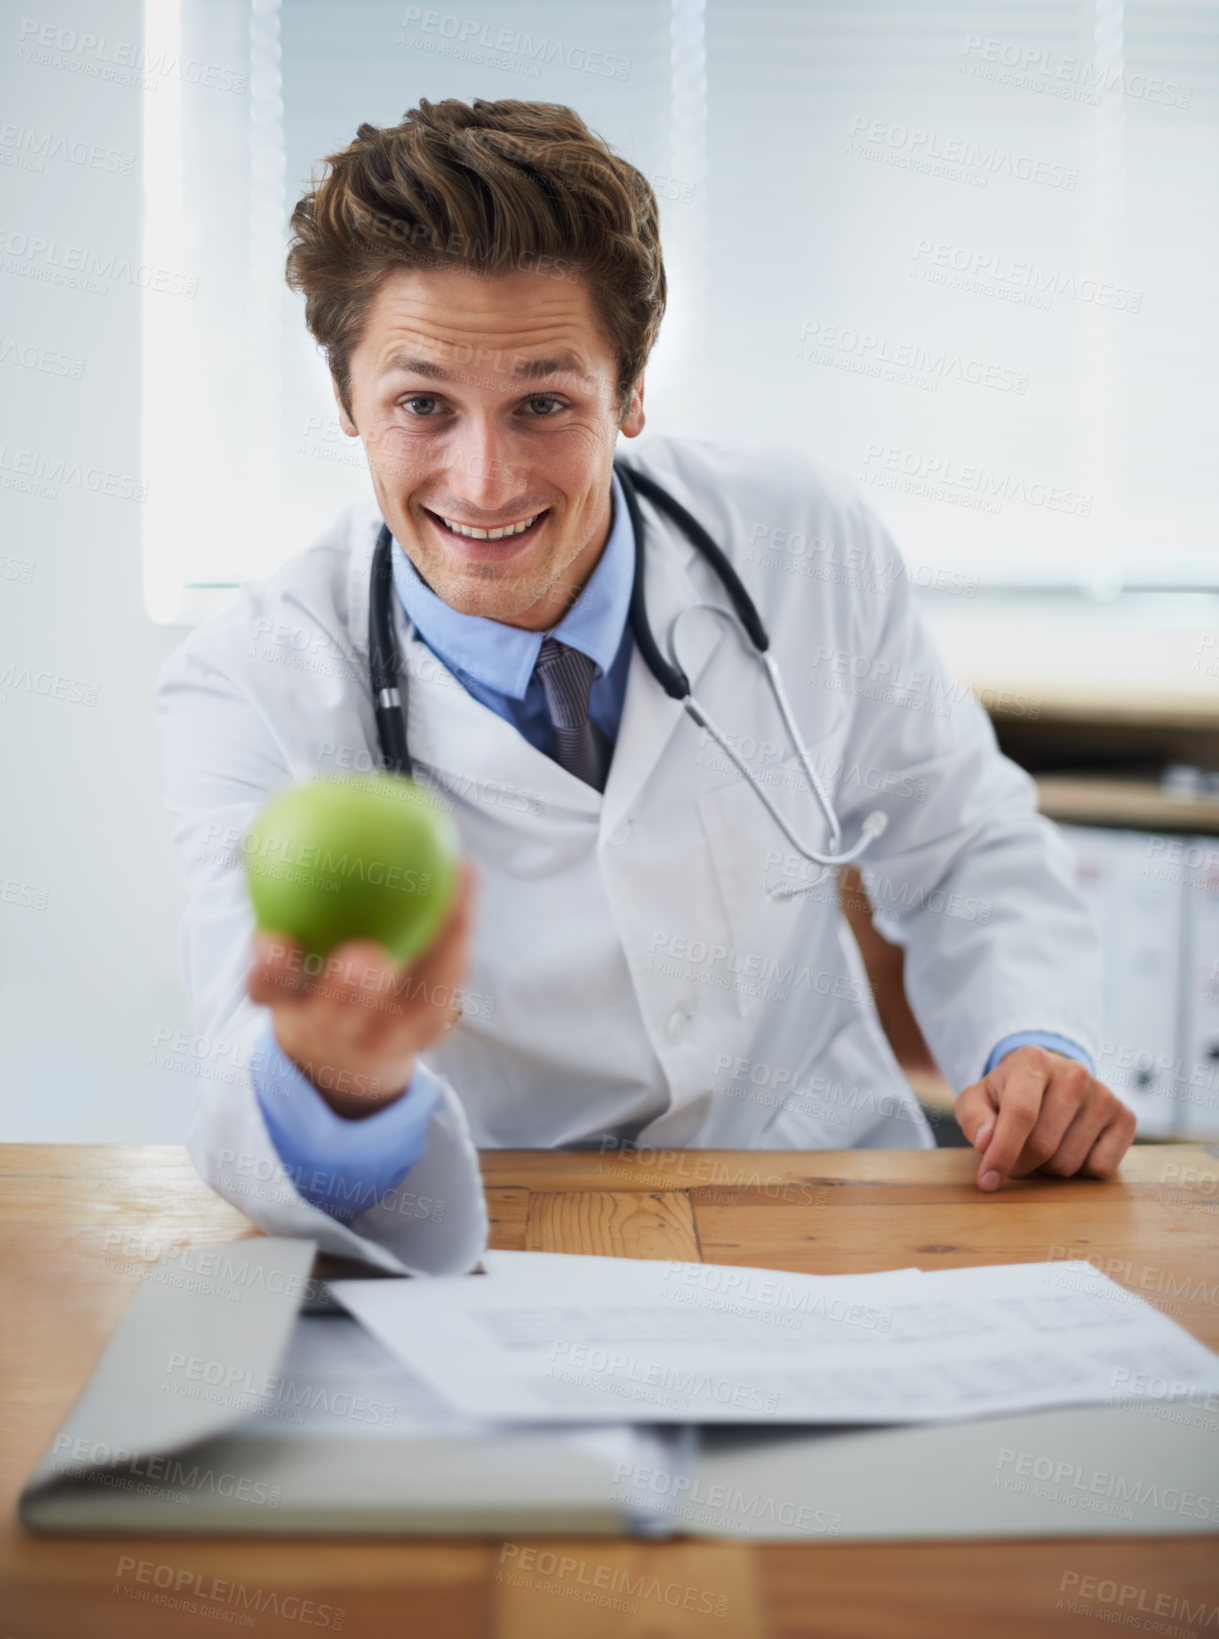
(557,1337)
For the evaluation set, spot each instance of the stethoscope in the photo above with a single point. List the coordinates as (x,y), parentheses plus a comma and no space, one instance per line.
(388,682)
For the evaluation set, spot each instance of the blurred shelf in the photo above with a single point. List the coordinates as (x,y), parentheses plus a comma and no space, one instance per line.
(1144,662)
(1139,804)
(1112,705)
(1095,701)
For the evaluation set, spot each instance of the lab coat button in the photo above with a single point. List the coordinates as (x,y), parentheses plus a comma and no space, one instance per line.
(620,832)
(676,1027)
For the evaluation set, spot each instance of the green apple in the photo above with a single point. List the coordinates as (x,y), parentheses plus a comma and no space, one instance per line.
(372,857)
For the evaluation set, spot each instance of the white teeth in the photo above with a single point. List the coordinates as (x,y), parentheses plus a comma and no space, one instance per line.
(491,534)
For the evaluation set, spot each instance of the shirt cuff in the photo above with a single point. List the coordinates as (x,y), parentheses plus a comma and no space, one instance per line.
(1040,1038)
(343,1167)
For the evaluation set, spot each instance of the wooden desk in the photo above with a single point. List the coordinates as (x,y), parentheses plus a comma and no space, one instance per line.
(63,1287)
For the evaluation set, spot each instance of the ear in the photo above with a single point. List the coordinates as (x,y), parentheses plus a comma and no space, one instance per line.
(345,421)
(632,424)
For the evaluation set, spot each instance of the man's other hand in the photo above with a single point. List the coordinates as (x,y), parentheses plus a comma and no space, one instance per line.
(1038,1110)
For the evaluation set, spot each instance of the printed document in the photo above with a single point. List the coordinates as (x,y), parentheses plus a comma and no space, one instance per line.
(562,1338)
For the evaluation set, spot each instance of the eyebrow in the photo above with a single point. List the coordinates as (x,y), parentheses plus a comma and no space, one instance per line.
(527,369)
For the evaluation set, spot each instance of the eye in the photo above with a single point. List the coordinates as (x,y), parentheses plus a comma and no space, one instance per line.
(544,404)
(422,404)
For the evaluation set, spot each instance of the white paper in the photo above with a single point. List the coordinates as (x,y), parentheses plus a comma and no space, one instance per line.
(562,1338)
(338,1381)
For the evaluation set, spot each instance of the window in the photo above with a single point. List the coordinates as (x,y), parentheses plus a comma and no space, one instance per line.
(965,251)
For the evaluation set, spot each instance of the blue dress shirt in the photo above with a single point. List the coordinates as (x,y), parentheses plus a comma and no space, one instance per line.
(342,1166)
(345,1167)
(1039,1038)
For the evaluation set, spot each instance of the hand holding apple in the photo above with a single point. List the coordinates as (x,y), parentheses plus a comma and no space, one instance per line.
(364,925)
(356,1024)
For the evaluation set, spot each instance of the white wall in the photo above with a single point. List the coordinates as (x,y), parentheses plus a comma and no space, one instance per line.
(89,971)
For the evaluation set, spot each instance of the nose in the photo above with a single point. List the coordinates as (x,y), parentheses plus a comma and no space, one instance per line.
(481,472)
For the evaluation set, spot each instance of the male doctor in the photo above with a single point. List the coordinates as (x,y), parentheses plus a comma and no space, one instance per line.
(649,960)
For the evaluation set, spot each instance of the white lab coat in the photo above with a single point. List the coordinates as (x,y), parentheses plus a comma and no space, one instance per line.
(629,962)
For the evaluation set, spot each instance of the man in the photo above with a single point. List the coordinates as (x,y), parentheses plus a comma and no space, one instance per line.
(650,961)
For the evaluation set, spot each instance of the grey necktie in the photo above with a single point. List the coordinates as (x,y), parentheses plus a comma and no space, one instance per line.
(566,677)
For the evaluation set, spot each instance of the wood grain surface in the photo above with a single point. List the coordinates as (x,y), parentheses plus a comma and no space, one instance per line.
(80,1224)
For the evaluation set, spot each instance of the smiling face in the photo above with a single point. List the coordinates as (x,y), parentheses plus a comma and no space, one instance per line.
(488,409)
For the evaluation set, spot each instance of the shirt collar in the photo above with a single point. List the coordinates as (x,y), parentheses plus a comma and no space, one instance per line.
(503,657)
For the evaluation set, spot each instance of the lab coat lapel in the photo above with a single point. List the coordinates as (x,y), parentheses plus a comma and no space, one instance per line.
(676,578)
(476,754)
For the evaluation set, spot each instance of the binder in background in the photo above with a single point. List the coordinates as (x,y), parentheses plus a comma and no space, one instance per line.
(1198,1096)
(1137,895)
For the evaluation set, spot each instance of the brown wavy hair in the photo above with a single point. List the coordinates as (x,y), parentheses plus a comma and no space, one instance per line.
(489,186)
